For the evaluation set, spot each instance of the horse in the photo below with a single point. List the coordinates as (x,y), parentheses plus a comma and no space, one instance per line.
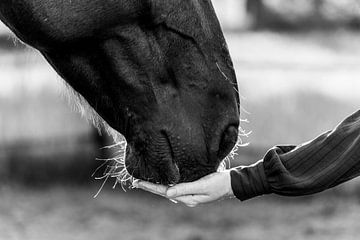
(158,72)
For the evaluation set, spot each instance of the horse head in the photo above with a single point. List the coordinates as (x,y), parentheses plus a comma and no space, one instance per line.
(157,71)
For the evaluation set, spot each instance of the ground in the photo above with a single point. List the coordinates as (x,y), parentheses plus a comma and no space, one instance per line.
(72,213)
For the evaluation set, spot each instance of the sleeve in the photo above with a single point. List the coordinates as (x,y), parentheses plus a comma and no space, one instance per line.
(328,160)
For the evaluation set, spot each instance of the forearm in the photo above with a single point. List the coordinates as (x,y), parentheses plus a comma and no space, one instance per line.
(328,160)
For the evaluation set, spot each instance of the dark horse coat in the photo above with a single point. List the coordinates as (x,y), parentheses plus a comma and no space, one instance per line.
(157,71)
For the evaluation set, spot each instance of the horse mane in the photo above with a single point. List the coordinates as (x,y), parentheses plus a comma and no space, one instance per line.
(79,104)
(114,165)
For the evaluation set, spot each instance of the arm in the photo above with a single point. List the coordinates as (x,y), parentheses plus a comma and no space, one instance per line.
(330,159)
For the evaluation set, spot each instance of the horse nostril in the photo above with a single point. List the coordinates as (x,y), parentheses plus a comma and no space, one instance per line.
(228,141)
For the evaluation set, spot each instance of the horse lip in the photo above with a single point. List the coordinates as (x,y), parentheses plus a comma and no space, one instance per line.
(177,176)
(174,175)
(128,157)
(168,141)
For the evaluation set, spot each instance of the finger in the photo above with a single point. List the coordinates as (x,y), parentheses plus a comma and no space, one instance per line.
(183,189)
(192,200)
(153,188)
(187,200)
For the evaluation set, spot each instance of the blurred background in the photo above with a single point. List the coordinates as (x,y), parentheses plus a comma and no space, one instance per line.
(297,63)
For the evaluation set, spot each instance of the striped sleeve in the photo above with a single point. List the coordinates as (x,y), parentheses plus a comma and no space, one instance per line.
(328,160)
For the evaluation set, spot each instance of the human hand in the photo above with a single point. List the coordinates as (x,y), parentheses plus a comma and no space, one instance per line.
(214,187)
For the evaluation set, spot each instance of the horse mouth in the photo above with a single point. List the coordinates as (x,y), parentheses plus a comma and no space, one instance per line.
(173,175)
(163,158)
(160,168)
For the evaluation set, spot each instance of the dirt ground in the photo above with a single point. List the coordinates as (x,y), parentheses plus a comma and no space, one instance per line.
(72,213)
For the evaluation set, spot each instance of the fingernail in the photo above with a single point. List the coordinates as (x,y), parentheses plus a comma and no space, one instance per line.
(171,192)
(174,201)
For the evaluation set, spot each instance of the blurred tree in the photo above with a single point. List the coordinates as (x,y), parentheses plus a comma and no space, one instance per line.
(264,17)
(256,10)
(318,17)
(318,5)
(303,14)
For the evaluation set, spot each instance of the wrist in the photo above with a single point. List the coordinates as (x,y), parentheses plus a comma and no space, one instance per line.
(228,187)
(250,181)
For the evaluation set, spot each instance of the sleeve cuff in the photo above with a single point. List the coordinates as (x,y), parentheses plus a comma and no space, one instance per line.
(250,181)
